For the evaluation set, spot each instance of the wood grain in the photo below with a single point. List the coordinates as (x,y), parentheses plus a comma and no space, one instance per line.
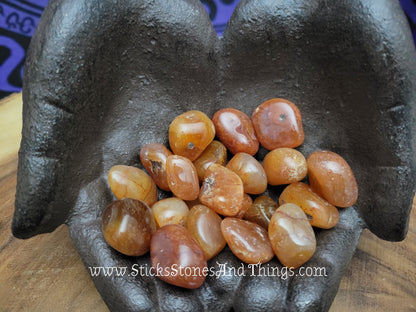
(45,273)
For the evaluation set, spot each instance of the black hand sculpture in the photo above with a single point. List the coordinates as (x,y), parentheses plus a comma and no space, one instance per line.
(103,78)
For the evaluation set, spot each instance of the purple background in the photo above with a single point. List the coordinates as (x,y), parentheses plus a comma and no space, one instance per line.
(18,20)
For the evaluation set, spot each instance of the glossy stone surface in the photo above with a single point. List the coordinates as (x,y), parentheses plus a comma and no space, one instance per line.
(320,213)
(291,236)
(247,202)
(331,177)
(261,211)
(153,157)
(278,123)
(179,257)
(182,177)
(205,226)
(132,182)
(190,133)
(284,166)
(170,210)
(250,171)
(236,131)
(222,191)
(128,225)
(215,153)
(248,241)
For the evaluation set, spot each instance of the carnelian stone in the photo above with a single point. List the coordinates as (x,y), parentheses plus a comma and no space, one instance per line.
(222,190)
(261,211)
(248,241)
(247,202)
(320,213)
(284,166)
(250,171)
(205,226)
(278,123)
(215,153)
(291,235)
(190,133)
(235,130)
(128,225)
(153,157)
(182,177)
(170,210)
(132,182)
(177,258)
(331,177)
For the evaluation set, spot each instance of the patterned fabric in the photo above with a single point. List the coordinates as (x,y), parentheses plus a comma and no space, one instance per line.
(18,20)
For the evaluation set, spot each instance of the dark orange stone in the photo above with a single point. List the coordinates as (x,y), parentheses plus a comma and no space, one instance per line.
(320,213)
(331,177)
(248,241)
(190,133)
(284,166)
(177,258)
(153,157)
(291,236)
(235,130)
(222,191)
(128,225)
(261,211)
(182,177)
(215,153)
(205,226)
(278,123)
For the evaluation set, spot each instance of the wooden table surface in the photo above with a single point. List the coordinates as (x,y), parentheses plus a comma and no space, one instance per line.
(45,273)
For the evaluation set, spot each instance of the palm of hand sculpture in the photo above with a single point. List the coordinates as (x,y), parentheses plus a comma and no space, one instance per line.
(103,79)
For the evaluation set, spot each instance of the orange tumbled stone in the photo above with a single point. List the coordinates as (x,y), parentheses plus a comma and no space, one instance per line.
(153,157)
(261,211)
(247,202)
(284,166)
(205,226)
(291,236)
(331,177)
(190,133)
(128,225)
(177,258)
(182,177)
(250,171)
(222,190)
(215,153)
(236,131)
(170,210)
(320,213)
(248,241)
(278,123)
(132,182)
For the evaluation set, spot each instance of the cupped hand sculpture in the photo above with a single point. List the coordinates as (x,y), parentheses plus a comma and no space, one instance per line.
(103,78)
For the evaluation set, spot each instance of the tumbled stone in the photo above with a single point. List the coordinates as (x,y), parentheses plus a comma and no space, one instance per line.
(132,182)
(284,166)
(153,157)
(331,177)
(320,213)
(261,211)
(250,171)
(278,123)
(205,226)
(248,241)
(222,190)
(247,202)
(177,258)
(190,133)
(170,210)
(215,153)
(182,177)
(291,236)
(235,130)
(128,225)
